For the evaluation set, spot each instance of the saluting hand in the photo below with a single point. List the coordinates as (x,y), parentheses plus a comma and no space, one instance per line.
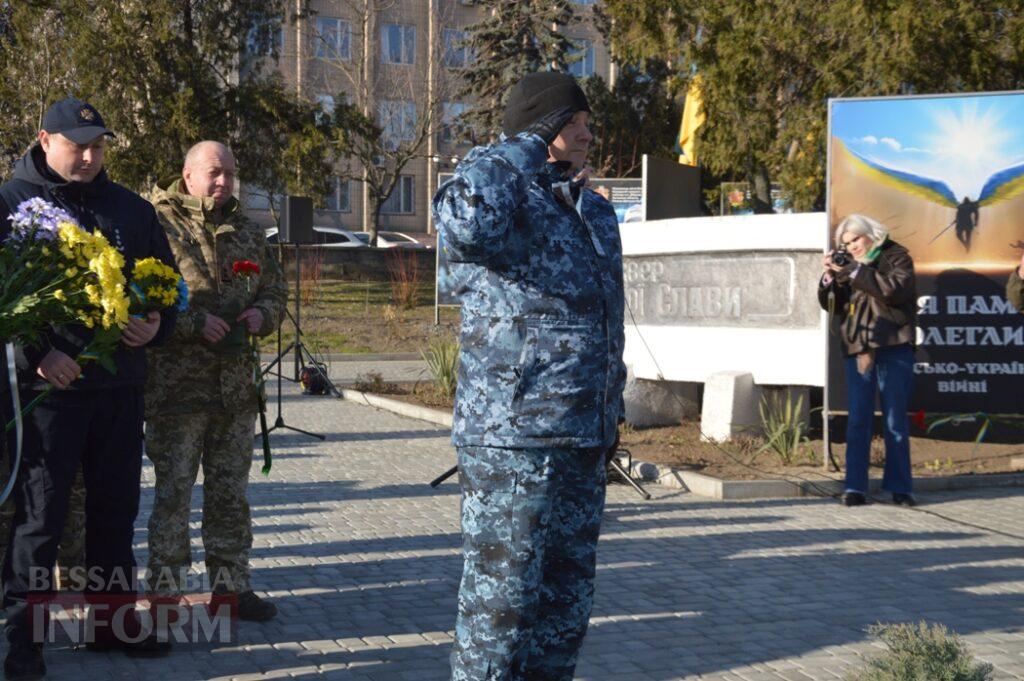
(140,331)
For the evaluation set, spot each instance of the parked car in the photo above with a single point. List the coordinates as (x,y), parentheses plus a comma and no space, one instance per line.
(329,237)
(391,240)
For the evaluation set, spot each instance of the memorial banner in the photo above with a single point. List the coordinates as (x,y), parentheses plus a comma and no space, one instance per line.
(945,174)
(626,194)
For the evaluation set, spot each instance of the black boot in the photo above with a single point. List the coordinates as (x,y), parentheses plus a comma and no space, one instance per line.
(149,646)
(254,609)
(24,662)
(854,499)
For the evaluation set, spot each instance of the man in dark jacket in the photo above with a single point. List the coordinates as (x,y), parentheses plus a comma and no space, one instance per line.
(537,264)
(94,417)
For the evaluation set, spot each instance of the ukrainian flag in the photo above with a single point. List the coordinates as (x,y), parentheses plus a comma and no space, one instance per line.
(693,118)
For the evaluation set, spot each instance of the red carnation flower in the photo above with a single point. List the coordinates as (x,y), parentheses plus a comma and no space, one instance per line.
(245,267)
(918,419)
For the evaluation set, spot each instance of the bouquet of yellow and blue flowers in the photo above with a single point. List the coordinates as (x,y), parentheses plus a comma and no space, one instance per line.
(156,286)
(54,272)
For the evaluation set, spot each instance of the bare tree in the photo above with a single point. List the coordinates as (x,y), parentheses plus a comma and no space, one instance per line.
(385,108)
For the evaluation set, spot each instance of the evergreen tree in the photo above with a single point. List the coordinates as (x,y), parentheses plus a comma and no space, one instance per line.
(639,115)
(165,74)
(516,38)
(769,68)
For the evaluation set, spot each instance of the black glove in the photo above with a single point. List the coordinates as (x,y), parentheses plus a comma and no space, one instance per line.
(610,453)
(549,125)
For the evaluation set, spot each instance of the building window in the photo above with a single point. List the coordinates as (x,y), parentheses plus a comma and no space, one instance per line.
(402,197)
(584,65)
(456,53)
(264,41)
(450,114)
(339,200)
(397,118)
(398,43)
(334,38)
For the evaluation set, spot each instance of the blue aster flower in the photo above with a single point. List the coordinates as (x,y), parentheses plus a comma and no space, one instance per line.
(182,305)
(37,220)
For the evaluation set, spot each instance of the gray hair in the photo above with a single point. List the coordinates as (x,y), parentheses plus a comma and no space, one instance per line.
(861,225)
(192,157)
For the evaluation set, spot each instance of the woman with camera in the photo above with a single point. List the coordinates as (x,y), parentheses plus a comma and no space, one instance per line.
(869,284)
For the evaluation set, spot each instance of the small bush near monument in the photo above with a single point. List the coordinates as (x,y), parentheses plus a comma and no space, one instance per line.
(921,652)
(442,358)
(785,430)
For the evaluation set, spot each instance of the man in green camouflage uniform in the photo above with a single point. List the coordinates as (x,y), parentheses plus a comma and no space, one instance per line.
(201,399)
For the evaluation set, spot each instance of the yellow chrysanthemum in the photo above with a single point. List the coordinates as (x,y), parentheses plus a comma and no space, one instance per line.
(59,295)
(152,267)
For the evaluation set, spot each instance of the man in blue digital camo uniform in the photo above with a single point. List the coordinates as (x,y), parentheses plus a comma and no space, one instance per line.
(537,265)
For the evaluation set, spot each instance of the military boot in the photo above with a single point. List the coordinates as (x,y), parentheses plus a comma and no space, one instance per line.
(244,606)
(255,609)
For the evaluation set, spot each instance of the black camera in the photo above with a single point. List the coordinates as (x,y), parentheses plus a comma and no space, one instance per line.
(841,257)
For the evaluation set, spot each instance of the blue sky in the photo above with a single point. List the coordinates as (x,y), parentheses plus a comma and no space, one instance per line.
(958,140)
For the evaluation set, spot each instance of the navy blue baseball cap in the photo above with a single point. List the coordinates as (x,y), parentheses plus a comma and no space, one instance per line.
(79,121)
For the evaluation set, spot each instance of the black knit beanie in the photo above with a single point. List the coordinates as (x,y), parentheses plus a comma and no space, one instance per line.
(538,94)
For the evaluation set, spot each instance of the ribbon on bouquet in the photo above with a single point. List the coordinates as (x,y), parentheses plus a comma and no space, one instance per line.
(12,378)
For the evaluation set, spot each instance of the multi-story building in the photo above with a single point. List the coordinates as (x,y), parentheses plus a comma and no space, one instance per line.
(396,58)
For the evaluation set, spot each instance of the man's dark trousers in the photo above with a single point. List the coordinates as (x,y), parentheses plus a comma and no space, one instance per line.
(102,429)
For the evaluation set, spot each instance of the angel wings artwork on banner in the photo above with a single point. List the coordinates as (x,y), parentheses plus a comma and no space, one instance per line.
(965,212)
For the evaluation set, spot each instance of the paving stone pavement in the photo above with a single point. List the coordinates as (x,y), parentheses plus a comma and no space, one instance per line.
(362,558)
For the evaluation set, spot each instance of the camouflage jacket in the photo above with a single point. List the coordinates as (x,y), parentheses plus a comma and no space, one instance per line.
(540,283)
(1015,290)
(187,374)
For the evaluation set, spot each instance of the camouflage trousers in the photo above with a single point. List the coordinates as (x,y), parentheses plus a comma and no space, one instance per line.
(530,524)
(222,442)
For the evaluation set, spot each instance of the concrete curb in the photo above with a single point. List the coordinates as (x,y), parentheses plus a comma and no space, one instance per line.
(368,357)
(705,485)
(413,411)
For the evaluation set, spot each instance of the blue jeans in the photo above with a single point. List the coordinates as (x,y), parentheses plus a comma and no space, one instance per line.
(893,376)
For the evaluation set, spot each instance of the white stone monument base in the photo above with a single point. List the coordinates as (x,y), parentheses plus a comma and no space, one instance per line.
(730,406)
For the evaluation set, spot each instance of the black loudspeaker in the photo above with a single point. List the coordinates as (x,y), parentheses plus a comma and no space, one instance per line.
(296,220)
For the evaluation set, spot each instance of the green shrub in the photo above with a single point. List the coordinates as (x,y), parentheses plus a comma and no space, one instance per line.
(921,653)
(785,431)
(442,358)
